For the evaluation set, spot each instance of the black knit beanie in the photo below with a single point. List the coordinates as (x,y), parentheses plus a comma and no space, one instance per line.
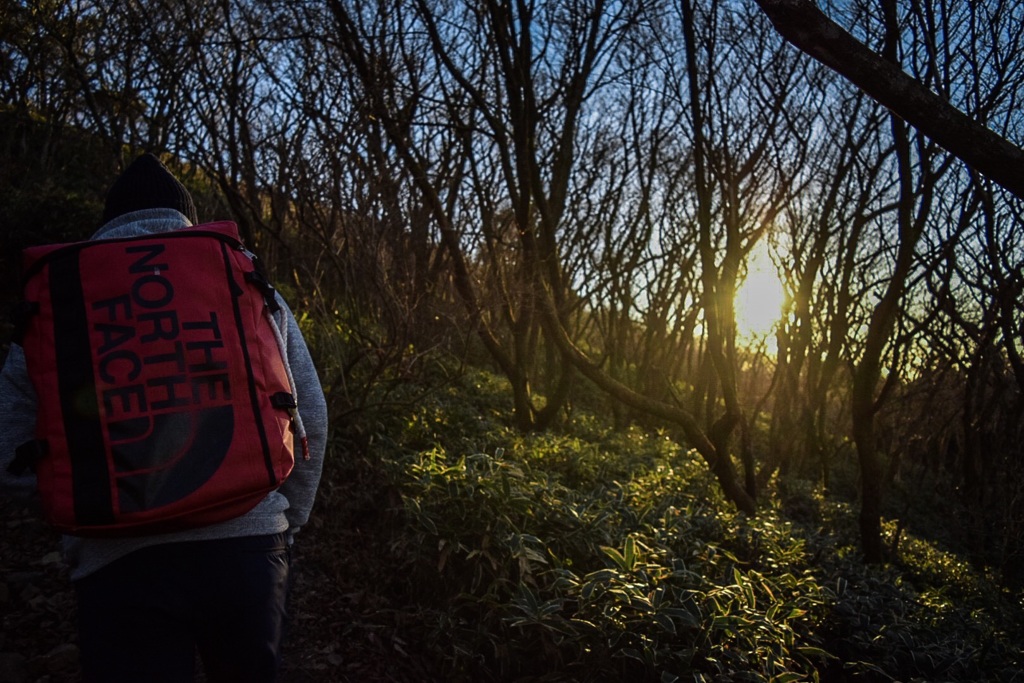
(147,184)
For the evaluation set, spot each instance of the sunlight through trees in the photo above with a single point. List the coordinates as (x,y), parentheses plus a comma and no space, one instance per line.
(581,196)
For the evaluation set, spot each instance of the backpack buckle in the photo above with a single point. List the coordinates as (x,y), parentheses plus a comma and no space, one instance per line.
(257,278)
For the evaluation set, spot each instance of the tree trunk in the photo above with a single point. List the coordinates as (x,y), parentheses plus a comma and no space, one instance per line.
(871,474)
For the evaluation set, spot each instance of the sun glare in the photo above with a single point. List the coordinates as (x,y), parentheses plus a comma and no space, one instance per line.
(760,297)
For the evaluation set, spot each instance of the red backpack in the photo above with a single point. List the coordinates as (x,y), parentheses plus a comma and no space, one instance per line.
(165,401)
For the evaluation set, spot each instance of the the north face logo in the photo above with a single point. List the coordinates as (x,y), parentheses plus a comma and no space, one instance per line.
(162,381)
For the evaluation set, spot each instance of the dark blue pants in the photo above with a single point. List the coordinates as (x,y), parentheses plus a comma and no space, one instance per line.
(144,617)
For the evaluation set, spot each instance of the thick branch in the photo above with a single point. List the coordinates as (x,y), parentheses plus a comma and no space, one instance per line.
(801,23)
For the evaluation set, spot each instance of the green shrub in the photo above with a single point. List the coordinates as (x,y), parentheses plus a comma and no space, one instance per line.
(595,555)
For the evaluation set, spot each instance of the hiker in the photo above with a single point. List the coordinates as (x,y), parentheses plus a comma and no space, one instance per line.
(147,603)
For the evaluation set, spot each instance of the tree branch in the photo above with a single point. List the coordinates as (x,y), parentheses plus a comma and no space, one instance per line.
(802,24)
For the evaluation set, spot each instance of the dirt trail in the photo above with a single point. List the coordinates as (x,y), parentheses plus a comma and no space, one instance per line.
(338,630)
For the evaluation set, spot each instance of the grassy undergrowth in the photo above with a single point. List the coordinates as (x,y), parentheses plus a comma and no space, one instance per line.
(593,555)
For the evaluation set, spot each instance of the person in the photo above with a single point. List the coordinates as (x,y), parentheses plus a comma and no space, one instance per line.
(147,605)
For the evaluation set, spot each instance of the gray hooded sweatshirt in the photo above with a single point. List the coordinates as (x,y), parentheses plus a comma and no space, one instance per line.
(284,510)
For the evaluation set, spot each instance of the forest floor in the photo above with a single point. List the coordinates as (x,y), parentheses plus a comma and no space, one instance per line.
(339,629)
